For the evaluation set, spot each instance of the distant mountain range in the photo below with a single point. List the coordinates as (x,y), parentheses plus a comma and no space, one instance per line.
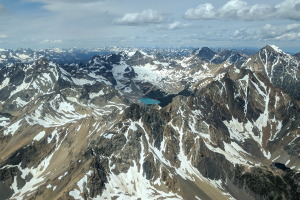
(79,55)
(72,125)
(73,55)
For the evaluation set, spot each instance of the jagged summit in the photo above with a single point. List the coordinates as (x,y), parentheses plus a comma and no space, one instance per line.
(225,56)
(280,68)
(206,54)
(273,48)
(138,54)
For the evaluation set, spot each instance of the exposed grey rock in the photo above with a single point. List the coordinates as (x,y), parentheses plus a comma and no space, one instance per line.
(206,54)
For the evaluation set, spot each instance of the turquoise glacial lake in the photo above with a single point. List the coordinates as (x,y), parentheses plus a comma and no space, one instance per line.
(149,101)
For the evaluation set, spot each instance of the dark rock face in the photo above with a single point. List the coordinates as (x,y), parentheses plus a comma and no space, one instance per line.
(212,165)
(160,57)
(23,156)
(133,112)
(265,185)
(206,54)
(102,66)
(18,77)
(155,123)
(292,179)
(7,178)
(107,148)
(293,149)
(114,58)
(138,59)
(129,72)
(98,178)
(148,169)
(229,56)
(152,119)
(297,56)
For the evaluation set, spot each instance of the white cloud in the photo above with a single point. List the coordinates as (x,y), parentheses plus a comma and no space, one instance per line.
(51,41)
(288,36)
(269,32)
(203,11)
(289,32)
(240,10)
(233,8)
(288,9)
(145,17)
(177,25)
(3,36)
(259,12)
(293,27)
(244,34)
(88,23)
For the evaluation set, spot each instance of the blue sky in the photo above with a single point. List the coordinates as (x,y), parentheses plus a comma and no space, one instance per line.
(144,23)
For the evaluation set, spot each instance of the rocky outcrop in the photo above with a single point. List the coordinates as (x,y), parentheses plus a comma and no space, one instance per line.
(129,72)
(139,59)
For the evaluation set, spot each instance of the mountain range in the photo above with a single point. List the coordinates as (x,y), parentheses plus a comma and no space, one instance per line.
(227,125)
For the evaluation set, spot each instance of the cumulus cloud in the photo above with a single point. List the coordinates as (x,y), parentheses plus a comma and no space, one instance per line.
(269,32)
(233,8)
(203,11)
(239,9)
(289,32)
(258,12)
(47,41)
(293,27)
(288,9)
(145,17)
